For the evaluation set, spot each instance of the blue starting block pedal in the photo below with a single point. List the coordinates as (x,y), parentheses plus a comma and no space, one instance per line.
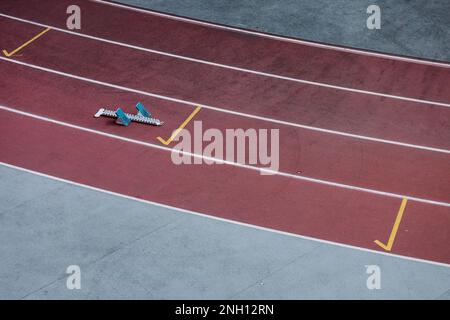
(142,111)
(122,118)
(142,116)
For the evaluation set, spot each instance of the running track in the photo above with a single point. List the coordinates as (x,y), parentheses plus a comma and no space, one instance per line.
(358,131)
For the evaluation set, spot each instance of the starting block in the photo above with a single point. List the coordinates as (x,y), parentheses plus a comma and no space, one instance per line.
(142,116)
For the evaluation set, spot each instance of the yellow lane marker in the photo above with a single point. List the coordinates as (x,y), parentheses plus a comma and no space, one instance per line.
(175,133)
(25,44)
(390,243)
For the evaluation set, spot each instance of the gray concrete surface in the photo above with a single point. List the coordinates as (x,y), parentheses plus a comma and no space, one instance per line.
(129,249)
(418,28)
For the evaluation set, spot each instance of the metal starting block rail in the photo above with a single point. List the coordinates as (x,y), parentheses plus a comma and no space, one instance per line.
(143,116)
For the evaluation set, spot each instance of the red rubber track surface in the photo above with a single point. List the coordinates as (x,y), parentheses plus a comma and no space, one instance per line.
(330,157)
(355,113)
(282,203)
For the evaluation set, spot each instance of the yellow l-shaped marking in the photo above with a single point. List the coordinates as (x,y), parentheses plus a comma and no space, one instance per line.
(391,240)
(175,133)
(25,44)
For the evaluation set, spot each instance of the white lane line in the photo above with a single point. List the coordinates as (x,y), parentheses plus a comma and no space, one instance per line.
(275,37)
(236,113)
(231,163)
(224,66)
(211,216)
